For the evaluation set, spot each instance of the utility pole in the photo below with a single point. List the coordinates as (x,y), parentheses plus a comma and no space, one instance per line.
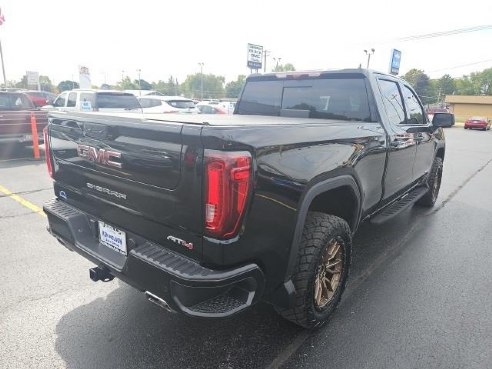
(2,19)
(265,54)
(369,53)
(201,79)
(139,84)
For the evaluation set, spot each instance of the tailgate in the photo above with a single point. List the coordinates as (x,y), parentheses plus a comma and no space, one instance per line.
(137,175)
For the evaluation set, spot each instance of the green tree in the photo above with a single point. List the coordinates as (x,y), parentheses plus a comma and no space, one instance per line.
(171,87)
(446,85)
(143,85)
(288,67)
(482,82)
(45,84)
(213,86)
(233,88)
(22,83)
(67,85)
(420,83)
(127,84)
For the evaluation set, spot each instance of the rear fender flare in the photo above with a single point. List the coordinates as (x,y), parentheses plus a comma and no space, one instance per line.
(309,196)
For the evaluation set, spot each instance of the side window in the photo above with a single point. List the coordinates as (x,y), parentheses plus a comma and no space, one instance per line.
(60,100)
(392,100)
(4,102)
(144,103)
(415,112)
(72,100)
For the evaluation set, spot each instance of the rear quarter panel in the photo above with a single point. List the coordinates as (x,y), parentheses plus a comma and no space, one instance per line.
(288,161)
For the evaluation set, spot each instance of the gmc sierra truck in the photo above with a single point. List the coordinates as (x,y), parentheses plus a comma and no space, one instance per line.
(209,214)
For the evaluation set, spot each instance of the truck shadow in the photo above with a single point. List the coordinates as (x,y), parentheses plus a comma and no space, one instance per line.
(125,331)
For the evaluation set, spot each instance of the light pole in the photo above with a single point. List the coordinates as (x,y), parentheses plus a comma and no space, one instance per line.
(369,53)
(201,79)
(265,54)
(277,61)
(139,84)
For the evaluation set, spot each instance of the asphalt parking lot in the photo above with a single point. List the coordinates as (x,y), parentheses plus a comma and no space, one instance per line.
(419,295)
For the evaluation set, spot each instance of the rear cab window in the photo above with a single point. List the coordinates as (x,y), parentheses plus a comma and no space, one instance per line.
(392,101)
(330,96)
(415,111)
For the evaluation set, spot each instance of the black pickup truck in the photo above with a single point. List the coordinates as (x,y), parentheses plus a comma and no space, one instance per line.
(210,214)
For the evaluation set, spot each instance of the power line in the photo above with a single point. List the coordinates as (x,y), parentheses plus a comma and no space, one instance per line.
(461,66)
(445,33)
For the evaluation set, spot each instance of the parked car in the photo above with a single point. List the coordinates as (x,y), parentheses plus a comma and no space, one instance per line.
(478,122)
(15,118)
(210,109)
(41,98)
(96,100)
(167,104)
(444,119)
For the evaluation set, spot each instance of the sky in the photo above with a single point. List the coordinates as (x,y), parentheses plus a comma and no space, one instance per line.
(163,38)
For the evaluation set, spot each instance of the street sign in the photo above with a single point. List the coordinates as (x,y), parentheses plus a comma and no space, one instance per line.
(395,62)
(255,56)
(32,78)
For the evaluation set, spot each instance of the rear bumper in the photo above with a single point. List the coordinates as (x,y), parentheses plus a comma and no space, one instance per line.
(476,125)
(183,283)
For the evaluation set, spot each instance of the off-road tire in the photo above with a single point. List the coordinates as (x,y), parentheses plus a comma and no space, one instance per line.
(320,230)
(429,199)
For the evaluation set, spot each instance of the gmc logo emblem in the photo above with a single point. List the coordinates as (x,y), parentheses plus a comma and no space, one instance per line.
(101,156)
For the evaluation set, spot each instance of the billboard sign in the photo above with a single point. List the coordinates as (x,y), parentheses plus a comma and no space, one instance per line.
(255,56)
(395,62)
(32,78)
(84,77)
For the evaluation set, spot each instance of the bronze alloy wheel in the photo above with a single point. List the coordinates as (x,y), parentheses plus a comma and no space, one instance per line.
(328,274)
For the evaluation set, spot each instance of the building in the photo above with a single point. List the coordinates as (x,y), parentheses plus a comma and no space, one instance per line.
(465,107)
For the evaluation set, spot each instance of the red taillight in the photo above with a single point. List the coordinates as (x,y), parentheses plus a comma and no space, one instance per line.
(47,152)
(227,184)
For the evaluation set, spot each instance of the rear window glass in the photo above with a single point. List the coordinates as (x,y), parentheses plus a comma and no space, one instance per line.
(326,98)
(20,102)
(443,118)
(117,101)
(181,104)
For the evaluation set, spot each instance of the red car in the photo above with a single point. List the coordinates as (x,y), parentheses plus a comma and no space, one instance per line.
(40,98)
(478,122)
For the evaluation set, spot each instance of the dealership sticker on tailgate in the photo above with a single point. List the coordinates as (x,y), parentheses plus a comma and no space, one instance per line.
(112,238)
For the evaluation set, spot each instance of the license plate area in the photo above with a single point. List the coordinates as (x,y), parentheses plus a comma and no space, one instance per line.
(113,238)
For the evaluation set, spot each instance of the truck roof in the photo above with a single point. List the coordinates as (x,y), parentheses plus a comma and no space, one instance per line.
(314,73)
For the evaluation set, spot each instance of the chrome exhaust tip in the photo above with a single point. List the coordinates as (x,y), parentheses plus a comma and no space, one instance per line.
(158,301)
